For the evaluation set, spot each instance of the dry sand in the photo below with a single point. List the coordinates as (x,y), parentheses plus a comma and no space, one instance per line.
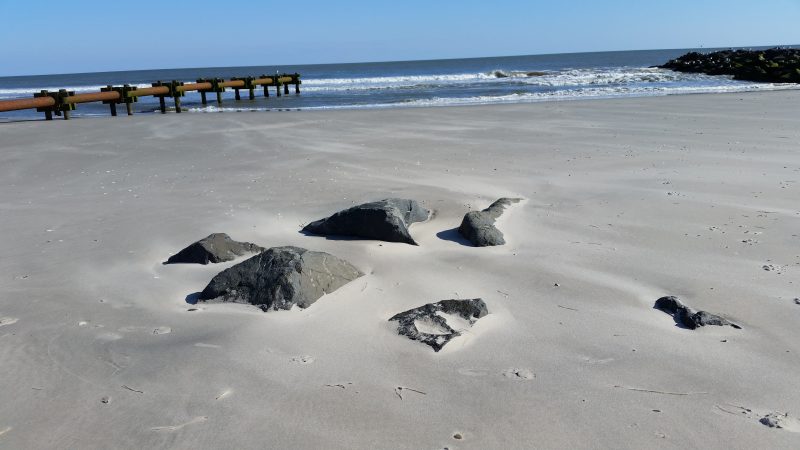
(626,201)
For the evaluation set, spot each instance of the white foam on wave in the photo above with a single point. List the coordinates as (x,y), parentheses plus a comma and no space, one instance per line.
(563,78)
(578,93)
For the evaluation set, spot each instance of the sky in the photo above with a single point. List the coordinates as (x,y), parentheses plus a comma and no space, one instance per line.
(43,37)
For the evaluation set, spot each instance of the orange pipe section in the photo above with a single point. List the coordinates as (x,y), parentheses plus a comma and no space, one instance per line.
(26,103)
(232,83)
(155,90)
(92,97)
(193,87)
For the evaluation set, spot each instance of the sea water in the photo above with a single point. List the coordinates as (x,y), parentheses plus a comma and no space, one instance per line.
(472,81)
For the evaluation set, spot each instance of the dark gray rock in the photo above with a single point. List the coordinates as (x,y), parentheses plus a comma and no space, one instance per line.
(215,248)
(683,315)
(384,220)
(478,226)
(279,278)
(436,331)
(775,65)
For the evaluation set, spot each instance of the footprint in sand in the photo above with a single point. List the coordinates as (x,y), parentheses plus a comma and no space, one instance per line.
(5,430)
(7,320)
(204,345)
(157,330)
(303,359)
(470,372)
(519,374)
(198,419)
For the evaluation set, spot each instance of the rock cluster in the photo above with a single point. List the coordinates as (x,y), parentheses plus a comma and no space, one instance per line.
(777,65)
(384,220)
(214,248)
(429,325)
(478,226)
(279,278)
(683,315)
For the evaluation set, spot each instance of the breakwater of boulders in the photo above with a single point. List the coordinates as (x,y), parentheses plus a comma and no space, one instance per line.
(776,65)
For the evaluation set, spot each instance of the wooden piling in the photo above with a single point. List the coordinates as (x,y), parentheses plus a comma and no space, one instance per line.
(162,104)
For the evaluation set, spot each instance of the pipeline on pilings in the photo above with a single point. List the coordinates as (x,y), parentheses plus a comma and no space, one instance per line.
(62,102)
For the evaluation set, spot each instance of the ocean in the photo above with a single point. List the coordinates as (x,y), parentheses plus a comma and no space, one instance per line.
(471,81)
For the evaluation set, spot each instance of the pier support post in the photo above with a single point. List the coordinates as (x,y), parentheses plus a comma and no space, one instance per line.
(128,98)
(236,94)
(177,103)
(219,98)
(286,88)
(252,93)
(203,99)
(162,104)
(65,107)
(48,115)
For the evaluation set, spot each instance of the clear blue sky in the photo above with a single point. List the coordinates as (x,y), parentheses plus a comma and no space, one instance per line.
(38,37)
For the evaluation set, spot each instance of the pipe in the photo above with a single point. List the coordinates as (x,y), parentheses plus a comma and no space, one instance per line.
(92,97)
(26,103)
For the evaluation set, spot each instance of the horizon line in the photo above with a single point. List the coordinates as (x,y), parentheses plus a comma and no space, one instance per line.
(410,60)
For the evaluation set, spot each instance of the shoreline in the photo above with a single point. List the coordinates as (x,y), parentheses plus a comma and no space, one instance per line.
(193,110)
(626,200)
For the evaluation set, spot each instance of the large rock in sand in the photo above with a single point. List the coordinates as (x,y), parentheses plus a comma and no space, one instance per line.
(432,324)
(384,220)
(478,226)
(683,315)
(215,248)
(281,277)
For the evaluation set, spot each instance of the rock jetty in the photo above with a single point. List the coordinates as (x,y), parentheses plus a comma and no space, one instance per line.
(776,65)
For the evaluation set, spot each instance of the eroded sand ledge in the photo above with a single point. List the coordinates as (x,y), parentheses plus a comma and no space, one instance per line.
(628,200)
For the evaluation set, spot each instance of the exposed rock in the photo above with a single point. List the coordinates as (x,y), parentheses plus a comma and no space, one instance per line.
(281,277)
(478,226)
(776,65)
(384,220)
(215,248)
(432,324)
(782,421)
(687,317)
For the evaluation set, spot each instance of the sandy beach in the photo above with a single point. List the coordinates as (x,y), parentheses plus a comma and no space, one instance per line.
(625,201)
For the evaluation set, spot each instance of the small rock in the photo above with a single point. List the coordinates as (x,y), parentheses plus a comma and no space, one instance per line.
(683,315)
(478,226)
(429,323)
(279,278)
(781,421)
(214,248)
(384,220)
